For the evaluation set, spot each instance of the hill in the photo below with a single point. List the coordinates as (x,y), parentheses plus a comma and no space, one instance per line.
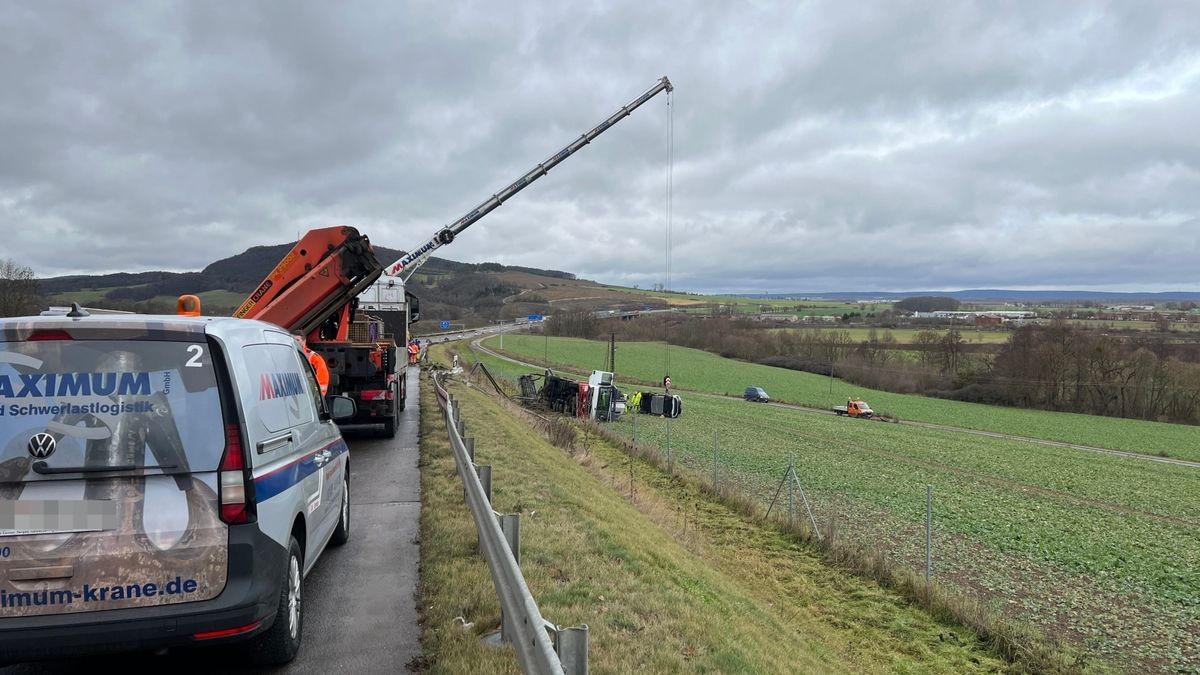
(469,293)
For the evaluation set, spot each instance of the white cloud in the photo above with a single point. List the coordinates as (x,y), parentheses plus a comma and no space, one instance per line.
(818,145)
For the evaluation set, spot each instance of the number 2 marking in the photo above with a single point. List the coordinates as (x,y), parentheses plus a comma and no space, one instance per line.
(196,351)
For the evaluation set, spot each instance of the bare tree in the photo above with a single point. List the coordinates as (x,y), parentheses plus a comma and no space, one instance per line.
(18,289)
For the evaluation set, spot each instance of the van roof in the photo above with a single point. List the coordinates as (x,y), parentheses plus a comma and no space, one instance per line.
(128,326)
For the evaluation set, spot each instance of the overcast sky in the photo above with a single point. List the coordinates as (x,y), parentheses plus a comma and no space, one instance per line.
(817,146)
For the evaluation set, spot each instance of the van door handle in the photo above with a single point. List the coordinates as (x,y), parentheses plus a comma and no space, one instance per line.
(274,443)
(323,457)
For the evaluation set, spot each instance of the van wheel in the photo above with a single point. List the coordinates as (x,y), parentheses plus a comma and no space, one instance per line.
(281,642)
(341,534)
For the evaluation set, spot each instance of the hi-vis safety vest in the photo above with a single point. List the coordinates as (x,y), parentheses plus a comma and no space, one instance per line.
(319,367)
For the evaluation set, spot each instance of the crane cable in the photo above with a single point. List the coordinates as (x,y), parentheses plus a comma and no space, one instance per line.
(669,205)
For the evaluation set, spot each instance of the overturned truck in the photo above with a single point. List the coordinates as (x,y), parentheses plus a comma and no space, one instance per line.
(596,398)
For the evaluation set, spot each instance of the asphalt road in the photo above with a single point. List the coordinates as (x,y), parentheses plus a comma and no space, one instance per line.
(361,613)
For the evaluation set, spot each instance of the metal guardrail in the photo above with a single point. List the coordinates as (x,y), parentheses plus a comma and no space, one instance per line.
(541,646)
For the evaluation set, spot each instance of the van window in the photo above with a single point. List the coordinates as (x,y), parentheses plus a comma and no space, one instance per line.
(97,403)
(276,396)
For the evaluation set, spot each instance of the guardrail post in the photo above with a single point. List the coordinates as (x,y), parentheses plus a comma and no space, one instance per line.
(485,477)
(470,444)
(484,471)
(571,644)
(462,427)
(510,524)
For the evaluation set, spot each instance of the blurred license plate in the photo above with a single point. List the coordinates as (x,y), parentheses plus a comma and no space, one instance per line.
(56,516)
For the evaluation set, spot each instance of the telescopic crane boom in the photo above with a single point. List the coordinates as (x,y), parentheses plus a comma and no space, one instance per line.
(417,256)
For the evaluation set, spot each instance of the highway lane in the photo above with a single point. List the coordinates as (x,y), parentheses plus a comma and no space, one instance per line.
(360,613)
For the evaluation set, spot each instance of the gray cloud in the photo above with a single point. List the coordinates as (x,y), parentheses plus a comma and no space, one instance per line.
(817,145)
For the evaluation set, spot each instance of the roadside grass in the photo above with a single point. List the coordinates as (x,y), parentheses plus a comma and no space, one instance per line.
(696,370)
(454,578)
(674,583)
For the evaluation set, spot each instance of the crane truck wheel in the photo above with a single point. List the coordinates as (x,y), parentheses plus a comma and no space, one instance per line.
(389,422)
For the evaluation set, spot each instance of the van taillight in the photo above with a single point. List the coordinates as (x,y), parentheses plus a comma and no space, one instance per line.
(235,509)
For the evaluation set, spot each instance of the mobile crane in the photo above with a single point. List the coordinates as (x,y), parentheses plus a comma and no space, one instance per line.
(312,292)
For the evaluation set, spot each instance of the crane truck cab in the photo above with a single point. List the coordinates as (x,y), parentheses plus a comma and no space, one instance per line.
(166,481)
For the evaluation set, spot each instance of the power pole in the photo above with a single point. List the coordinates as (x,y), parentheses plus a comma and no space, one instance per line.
(612,354)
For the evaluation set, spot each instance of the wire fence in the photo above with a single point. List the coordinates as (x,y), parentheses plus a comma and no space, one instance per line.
(971,536)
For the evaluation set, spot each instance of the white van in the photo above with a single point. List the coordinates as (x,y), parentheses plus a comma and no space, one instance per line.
(164,481)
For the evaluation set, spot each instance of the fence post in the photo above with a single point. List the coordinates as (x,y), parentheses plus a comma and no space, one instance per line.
(470,445)
(714,460)
(928,534)
(792,492)
(807,506)
(670,459)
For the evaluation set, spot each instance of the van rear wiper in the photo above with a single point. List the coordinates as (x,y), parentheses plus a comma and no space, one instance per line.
(43,468)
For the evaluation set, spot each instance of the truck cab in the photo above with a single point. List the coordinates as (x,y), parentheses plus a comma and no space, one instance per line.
(855,408)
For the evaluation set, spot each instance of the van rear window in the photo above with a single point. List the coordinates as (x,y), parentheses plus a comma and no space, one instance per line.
(99,404)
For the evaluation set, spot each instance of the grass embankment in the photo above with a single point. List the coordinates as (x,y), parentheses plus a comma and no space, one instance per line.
(696,370)
(675,582)
(1103,550)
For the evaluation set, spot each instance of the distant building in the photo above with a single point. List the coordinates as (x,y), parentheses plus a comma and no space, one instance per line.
(971,316)
(988,320)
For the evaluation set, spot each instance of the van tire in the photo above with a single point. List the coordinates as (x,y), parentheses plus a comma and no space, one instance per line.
(281,642)
(341,534)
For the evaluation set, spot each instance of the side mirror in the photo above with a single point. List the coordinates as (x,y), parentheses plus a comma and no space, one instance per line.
(341,408)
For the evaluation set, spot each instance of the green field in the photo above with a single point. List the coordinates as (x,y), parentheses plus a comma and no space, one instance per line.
(695,370)
(83,296)
(908,335)
(1105,548)
(1110,544)
(745,305)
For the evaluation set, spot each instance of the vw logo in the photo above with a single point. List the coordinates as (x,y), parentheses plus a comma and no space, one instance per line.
(41,446)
